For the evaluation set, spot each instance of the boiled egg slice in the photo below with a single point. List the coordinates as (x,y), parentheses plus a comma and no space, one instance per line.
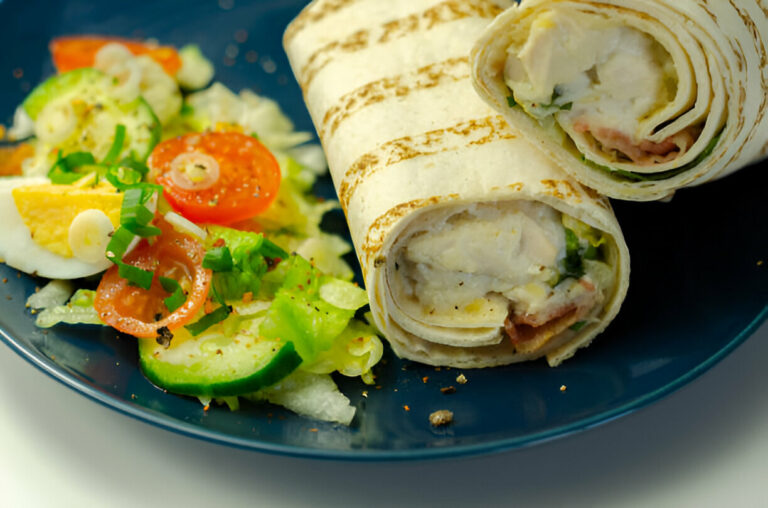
(57,231)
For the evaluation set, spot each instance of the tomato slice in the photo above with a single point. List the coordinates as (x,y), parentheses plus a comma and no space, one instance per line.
(142,313)
(216,177)
(79,51)
(12,157)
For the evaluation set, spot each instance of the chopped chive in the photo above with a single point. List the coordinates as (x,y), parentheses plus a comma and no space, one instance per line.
(186,109)
(77,159)
(63,169)
(511,102)
(135,165)
(117,145)
(123,177)
(578,326)
(271,250)
(119,243)
(135,275)
(177,297)
(58,176)
(218,259)
(592,252)
(207,321)
(134,216)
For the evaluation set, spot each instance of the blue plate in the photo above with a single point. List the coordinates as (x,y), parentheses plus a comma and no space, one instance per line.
(698,287)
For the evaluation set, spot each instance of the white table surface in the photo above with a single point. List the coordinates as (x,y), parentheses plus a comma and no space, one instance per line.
(705,445)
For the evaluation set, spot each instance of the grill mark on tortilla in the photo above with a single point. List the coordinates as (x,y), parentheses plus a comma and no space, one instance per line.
(760,47)
(374,239)
(442,13)
(430,76)
(471,133)
(313,14)
(561,189)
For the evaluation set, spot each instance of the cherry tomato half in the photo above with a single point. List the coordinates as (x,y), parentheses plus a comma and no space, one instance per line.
(217,177)
(142,313)
(12,157)
(79,51)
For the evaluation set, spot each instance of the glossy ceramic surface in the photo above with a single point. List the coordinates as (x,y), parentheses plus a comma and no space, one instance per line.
(699,282)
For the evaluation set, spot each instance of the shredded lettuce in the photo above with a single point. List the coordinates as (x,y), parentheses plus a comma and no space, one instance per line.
(53,294)
(311,395)
(79,310)
(253,113)
(196,71)
(582,243)
(325,251)
(295,211)
(353,353)
(298,313)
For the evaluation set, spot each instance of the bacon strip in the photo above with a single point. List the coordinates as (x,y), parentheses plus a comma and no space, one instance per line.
(531,332)
(646,153)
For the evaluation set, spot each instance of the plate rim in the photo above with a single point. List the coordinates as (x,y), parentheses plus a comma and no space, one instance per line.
(145,415)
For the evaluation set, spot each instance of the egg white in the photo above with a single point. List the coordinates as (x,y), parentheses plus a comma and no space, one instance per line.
(19,250)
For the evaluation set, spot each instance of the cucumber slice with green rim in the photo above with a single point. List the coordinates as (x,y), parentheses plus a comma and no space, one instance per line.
(78,111)
(215,364)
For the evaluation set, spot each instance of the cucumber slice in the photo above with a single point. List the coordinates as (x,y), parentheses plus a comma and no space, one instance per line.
(78,111)
(217,364)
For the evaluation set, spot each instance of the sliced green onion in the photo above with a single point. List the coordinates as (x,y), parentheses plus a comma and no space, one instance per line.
(207,321)
(135,275)
(177,297)
(134,216)
(117,145)
(116,248)
(134,165)
(511,102)
(63,170)
(77,159)
(271,250)
(578,326)
(58,176)
(119,243)
(592,252)
(123,177)
(218,259)
(186,109)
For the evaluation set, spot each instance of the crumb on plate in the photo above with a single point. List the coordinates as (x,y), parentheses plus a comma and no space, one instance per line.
(441,418)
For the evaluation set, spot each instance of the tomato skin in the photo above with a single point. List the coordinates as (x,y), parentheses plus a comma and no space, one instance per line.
(12,157)
(75,52)
(142,313)
(248,182)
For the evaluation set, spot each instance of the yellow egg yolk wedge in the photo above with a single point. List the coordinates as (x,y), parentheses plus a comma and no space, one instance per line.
(48,210)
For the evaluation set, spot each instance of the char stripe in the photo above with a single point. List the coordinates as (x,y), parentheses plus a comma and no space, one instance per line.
(442,13)
(313,14)
(447,71)
(463,135)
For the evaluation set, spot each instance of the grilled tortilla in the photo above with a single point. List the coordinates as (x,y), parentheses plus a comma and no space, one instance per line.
(634,98)
(476,250)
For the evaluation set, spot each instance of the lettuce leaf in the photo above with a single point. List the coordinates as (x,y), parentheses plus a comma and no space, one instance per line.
(299,314)
(78,310)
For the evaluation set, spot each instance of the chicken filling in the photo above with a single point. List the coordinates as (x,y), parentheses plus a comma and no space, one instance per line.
(601,82)
(522,266)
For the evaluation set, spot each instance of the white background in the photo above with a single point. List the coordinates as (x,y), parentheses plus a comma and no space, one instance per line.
(705,445)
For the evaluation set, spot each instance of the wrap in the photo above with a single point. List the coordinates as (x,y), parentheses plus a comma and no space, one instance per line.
(475,249)
(634,98)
